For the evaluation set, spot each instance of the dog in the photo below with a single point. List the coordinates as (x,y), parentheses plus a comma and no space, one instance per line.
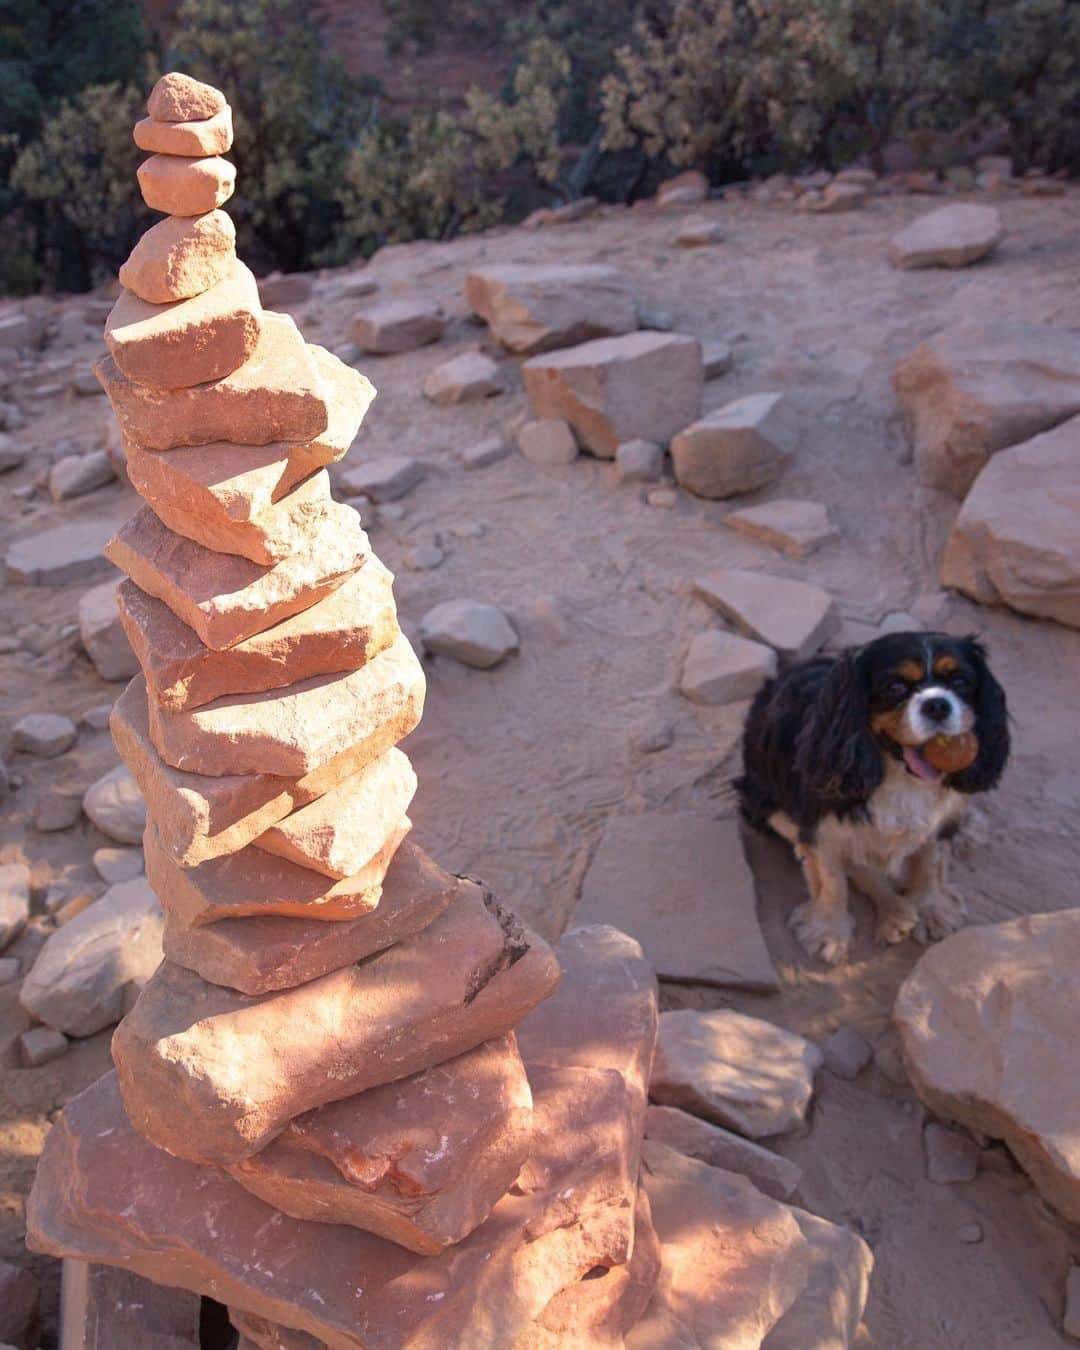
(834,762)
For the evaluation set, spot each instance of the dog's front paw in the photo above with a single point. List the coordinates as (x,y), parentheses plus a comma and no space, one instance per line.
(940,914)
(896,925)
(827,936)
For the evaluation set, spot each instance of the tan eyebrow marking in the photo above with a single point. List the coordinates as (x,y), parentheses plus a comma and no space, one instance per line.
(945,665)
(910,670)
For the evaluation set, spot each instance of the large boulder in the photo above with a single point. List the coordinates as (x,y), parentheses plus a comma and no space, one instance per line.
(1015,539)
(737,448)
(975,389)
(988,1023)
(952,236)
(538,308)
(640,386)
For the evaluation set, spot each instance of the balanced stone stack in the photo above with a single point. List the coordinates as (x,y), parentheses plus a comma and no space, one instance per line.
(320,1113)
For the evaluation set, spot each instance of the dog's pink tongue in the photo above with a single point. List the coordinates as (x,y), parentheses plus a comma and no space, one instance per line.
(916,762)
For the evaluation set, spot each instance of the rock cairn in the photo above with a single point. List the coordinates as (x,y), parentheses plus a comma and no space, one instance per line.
(320,1113)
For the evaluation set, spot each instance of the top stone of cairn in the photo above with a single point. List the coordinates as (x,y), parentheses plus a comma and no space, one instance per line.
(179,98)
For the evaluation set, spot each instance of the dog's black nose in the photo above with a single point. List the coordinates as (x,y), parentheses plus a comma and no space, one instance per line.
(936,709)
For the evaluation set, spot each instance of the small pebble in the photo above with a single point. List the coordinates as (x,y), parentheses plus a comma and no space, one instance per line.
(9,969)
(43,734)
(639,462)
(118,864)
(57,812)
(97,717)
(391,511)
(653,740)
(662,497)
(40,1044)
(485,453)
(971,1232)
(951,1156)
(424,557)
(847,1053)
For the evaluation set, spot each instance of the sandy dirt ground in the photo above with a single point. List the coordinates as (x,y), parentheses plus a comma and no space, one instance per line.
(521,768)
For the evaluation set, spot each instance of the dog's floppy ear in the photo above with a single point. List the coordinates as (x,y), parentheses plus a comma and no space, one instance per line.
(835,753)
(991,726)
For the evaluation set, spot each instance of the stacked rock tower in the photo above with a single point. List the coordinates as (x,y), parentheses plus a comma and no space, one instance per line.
(349,1104)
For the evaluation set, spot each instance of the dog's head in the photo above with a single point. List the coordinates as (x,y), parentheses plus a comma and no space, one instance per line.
(888,700)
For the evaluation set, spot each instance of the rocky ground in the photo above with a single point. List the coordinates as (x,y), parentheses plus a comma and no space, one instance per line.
(524,768)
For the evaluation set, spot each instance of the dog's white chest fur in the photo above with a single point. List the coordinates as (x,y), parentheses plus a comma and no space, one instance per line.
(905,813)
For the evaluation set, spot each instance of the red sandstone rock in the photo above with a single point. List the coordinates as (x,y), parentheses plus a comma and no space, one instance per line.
(259,955)
(255,884)
(185,185)
(293,731)
(339,833)
(183,1052)
(420,1162)
(277,395)
(104,1193)
(600,1310)
(180,98)
(208,136)
(534,308)
(187,342)
(180,257)
(733,1262)
(224,598)
(289,526)
(200,817)
(340,632)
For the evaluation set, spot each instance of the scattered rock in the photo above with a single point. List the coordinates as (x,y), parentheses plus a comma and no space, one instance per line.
(12,456)
(663,497)
(827,1314)
(723,668)
(970,1233)
(549,442)
(114,865)
(21,330)
(976,389)
(282,289)
(773,1175)
(102,634)
(790,616)
(987,1020)
(639,461)
(612,390)
(732,1261)
(115,805)
(44,735)
(735,1070)
(718,359)
(1015,540)
(9,969)
(560,215)
(737,448)
(952,236)
(1071,1322)
(180,98)
(534,309)
(684,189)
(86,971)
(794,527)
(14,901)
(839,196)
(40,1044)
(393,326)
(950,1155)
(20,1300)
(658,320)
(65,553)
(57,811)
(471,375)
(847,1052)
(700,233)
(384,479)
(476,634)
(97,717)
(485,453)
(680,885)
(424,557)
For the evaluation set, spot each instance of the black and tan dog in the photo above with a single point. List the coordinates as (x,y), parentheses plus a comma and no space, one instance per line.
(835,756)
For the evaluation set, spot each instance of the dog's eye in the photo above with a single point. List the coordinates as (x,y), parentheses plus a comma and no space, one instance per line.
(961,684)
(896,689)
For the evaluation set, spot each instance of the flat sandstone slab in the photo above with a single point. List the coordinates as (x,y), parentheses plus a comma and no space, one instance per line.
(276,395)
(290,526)
(224,598)
(792,617)
(255,884)
(421,1162)
(295,730)
(681,886)
(104,1193)
(199,817)
(187,342)
(534,308)
(340,832)
(180,257)
(260,955)
(183,1052)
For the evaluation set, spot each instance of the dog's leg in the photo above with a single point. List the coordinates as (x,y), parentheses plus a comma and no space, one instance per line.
(897,914)
(941,910)
(823,925)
